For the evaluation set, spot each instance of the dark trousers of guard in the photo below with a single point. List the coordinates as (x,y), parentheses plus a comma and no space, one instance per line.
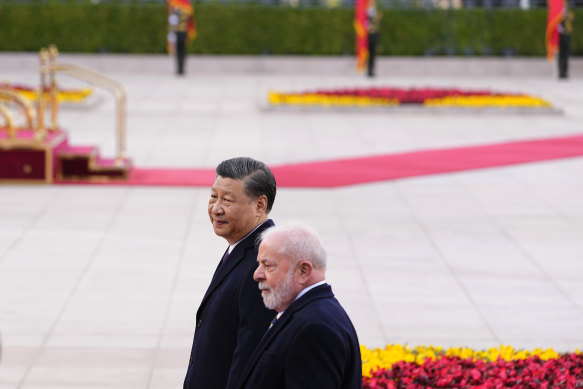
(180,51)
(564,49)
(372,52)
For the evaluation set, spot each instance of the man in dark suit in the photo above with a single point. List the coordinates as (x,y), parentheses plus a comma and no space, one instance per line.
(231,318)
(312,342)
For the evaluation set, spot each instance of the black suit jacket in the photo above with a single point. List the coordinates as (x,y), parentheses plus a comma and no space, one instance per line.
(312,345)
(230,321)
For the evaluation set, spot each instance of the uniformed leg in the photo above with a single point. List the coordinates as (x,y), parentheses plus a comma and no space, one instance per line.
(180,51)
(564,47)
(372,48)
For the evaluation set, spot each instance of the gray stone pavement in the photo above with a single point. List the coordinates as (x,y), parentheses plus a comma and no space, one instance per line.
(99,285)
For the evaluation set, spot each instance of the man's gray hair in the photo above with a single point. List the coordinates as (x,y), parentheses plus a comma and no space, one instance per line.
(258,178)
(298,242)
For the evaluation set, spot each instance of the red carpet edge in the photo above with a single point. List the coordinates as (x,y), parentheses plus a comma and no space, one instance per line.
(353,171)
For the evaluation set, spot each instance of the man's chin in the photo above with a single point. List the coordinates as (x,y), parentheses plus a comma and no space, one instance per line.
(268,306)
(266,299)
(219,230)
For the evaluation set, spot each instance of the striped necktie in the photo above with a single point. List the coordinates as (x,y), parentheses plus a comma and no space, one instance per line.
(273,321)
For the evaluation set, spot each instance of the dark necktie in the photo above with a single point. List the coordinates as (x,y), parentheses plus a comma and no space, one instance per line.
(221,262)
(224,259)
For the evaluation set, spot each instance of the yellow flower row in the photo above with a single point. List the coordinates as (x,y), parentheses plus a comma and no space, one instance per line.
(487,101)
(385,358)
(63,96)
(311,99)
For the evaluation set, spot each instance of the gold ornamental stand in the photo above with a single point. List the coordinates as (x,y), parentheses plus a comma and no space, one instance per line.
(39,153)
(50,68)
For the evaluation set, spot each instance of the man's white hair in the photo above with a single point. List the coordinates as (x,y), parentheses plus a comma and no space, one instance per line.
(299,242)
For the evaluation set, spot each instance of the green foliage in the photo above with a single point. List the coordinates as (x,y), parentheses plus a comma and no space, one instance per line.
(83,27)
(255,29)
(577,35)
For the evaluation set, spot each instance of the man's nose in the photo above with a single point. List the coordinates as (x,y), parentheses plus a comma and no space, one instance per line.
(217,207)
(258,274)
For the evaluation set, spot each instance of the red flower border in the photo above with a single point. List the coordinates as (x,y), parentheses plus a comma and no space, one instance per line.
(454,372)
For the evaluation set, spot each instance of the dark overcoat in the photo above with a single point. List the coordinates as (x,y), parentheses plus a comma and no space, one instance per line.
(312,345)
(230,321)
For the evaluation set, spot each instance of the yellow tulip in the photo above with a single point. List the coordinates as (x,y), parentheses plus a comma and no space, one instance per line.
(63,96)
(393,353)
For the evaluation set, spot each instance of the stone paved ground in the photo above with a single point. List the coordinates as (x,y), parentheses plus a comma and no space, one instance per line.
(99,285)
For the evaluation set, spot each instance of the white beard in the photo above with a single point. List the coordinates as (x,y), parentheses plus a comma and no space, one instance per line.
(275,297)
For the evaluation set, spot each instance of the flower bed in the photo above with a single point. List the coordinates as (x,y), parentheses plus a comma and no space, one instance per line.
(63,95)
(399,366)
(430,97)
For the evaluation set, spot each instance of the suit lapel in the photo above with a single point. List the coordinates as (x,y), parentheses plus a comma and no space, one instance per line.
(319,292)
(216,273)
(223,270)
(236,256)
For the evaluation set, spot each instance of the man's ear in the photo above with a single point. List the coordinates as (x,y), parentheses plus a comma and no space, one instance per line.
(261,203)
(306,269)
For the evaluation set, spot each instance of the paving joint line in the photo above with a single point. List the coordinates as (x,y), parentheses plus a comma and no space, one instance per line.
(450,268)
(192,211)
(80,278)
(361,274)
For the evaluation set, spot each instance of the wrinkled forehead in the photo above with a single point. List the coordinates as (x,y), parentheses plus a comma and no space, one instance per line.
(226,184)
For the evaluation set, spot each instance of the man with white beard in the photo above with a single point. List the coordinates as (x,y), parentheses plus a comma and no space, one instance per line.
(312,342)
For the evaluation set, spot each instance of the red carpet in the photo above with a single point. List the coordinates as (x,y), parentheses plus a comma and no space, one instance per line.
(351,171)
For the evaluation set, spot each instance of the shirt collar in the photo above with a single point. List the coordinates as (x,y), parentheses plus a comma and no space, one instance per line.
(232,246)
(306,290)
(303,292)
